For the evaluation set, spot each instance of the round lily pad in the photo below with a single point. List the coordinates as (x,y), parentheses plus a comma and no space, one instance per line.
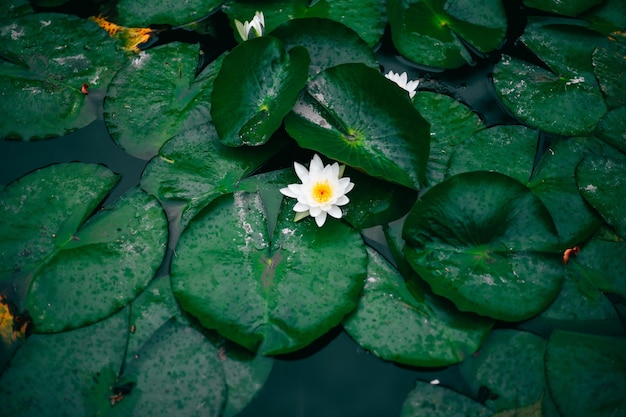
(602,182)
(568,8)
(101,266)
(612,128)
(610,68)
(194,167)
(511,150)
(271,295)
(130,13)
(485,242)
(564,99)
(587,374)
(256,87)
(157,95)
(351,113)
(329,43)
(47,58)
(428,400)
(396,326)
(441,33)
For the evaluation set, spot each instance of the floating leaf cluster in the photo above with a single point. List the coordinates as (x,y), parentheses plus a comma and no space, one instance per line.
(482,234)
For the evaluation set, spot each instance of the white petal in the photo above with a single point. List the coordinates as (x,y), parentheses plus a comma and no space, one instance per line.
(300,207)
(288,192)
(241,30)
(348,187)
(315,211)
(342,201)
(402,80)
(320,218)
(335,212)
(301,172)
(412,85)
(316,165)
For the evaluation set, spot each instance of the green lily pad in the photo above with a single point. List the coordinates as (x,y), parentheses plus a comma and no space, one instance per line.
(353,114)
(45,60)
(178,367)
(608,17)
(365,17)
(101,266)
(269,295)
(612,128)
(451,123)
(485,242)
(428,400)
(610,68)
(41,211)
(83,364)
(130,13)
(587,374)
(602,182)
(441,33)
(566,99)
(509,366)
(15,8)
(193,168)
(157,95)
(568,8)
(256,87)
(396,326)
(511,150)
(329,43)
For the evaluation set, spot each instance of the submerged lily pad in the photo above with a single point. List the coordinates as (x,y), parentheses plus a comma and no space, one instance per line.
(45,61)
(269,294)
(353,114)
(566,8)
(256,87)
(396,326)
(602,182)
(157,95)
(443,33)
(485,242)
(564,99)
(587,374)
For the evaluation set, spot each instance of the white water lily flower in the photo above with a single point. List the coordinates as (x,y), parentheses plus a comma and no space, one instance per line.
(401,80)
(322,190)
(252,29)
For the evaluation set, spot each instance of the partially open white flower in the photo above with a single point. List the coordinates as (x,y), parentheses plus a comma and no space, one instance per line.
(401,80)
(252,29)
(322,190)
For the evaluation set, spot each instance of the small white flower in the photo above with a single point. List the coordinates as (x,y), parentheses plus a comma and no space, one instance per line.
(252,29)
(322,190)
(401,80)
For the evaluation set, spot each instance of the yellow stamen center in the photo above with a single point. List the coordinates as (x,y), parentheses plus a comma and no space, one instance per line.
(322,192)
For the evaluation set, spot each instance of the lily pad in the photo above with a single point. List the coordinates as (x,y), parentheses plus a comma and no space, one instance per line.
(161,12)
(610,68)
(46,58)
(157,95)
(428,400)
(15,8)
(587,374)
(82,376)
(443,33)
(510,367)
(566,99)
(451,123)
(608,17)
(193,168)
(568,8)
(271,295)
(256,87)
(43,210)
(101,267)
(351,113)
(612,128)
(396,326)
(485,242)
(365,17)
(329,43)
(511,150)
(602,182)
